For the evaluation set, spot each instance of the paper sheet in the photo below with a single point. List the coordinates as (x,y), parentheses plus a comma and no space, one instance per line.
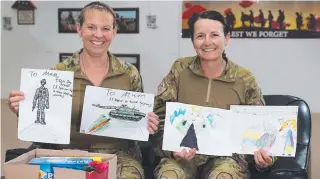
(45,113)
(273,128)
(116,113)
(190,126)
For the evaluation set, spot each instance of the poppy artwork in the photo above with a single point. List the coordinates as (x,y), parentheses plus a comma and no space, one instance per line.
(260,19)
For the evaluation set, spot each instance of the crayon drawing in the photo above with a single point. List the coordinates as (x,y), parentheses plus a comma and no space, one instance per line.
(116,113)
(289,130)
(272,128)
(190,126)
(45,113)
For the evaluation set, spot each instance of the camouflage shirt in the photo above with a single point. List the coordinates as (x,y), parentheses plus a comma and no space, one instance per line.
(187,83)
(121,75)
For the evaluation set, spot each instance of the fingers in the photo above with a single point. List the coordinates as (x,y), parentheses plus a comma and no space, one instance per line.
(266,157)
(190,154)
(153,122)
(14,99)
(152,117)
(15,93)
(152,127)
(262,161)
(180,155)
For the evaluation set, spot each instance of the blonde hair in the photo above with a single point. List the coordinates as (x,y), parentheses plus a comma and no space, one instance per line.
(294,124)
(97,6)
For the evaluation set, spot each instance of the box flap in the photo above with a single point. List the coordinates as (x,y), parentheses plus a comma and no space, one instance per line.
(18,171)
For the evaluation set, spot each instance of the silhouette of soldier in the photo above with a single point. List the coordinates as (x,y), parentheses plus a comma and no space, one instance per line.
(299,20)
(280,19)
(251,19)
(270,19)
(230,18)
(312,23)
(41,99)
(261,18)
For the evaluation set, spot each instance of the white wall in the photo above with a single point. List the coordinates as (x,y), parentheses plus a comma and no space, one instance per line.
(39,46)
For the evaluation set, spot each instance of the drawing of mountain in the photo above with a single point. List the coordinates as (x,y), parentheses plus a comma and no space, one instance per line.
(190,139)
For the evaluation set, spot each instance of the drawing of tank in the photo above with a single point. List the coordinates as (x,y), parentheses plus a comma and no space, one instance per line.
(123,112)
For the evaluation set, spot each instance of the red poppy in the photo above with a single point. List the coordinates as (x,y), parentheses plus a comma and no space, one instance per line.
(102,167)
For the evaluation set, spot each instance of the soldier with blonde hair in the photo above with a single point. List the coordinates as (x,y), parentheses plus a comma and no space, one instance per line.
(95,65)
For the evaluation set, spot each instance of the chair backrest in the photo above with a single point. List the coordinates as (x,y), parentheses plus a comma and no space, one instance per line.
(301,159)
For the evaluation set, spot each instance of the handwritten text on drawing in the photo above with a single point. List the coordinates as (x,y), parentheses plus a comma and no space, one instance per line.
(128,97)
(60,88)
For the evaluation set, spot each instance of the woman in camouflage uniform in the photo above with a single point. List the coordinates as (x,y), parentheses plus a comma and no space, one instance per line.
(94,65)
(208,79)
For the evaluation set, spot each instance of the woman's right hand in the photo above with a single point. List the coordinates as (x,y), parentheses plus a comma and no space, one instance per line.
(184,154)
(14,98)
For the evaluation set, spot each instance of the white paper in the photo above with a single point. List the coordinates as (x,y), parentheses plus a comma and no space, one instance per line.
(211,129)
(45,113)
(273,128)
(116,113)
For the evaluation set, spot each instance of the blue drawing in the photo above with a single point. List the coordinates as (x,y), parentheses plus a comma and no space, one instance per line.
(177,113)
(211,121)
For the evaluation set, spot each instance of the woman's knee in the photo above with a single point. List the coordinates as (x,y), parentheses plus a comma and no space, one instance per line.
(169,169)
(128,167)
(126,172)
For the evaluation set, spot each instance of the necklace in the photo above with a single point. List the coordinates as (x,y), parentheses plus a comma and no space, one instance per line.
(84,69)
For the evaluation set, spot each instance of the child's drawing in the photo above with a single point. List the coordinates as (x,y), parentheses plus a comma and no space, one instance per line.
(289,128)
(45,113)
(272,128)
(41,100)
(116,113)
(191,126)
(261,135)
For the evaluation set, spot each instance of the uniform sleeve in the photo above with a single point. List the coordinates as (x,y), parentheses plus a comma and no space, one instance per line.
(136,79)
(167,92)
(254,96)
(253,93)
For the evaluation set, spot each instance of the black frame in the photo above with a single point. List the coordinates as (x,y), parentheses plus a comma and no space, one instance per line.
(137,25)
(61,55)
(136,56)
(60,10)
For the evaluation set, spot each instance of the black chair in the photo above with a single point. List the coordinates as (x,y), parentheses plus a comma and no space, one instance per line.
(285,167)
(291,167)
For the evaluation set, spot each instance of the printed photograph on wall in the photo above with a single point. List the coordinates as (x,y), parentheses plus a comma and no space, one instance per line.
(260,19)
(127,20)
(134,59)
(63,56)
(67,19)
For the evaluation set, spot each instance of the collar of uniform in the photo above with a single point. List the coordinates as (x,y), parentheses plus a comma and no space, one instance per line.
(228,74)
(114,65)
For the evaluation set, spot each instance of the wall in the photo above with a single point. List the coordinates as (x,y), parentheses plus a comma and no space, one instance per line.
(282,66)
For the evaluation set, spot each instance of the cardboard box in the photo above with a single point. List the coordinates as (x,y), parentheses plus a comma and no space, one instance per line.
(19,168)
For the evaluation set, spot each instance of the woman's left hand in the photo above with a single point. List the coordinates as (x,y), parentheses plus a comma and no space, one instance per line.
(153,122)
(262,159)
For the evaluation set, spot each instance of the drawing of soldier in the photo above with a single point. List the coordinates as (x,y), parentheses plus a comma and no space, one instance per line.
(41,98)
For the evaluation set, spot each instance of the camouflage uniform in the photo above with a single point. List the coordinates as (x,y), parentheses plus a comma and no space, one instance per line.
(121,75)
(186,83)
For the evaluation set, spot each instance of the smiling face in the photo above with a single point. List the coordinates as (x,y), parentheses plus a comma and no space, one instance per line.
(97,31)
(209,40)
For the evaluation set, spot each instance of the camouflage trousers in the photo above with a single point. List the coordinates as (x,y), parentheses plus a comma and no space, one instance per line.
(216,168)
(129,168)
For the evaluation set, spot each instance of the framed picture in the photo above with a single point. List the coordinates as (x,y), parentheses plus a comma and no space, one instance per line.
(25,17)
(63,56)
(67,19)
(134,59)
(127,20)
